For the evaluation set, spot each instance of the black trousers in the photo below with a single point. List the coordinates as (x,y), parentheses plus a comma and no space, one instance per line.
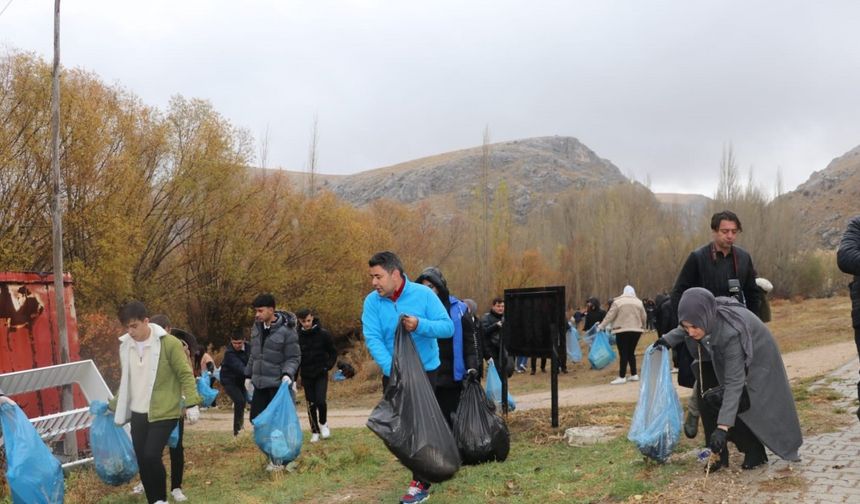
(149,440)
(237,394)
(542,364)
(431,377)
(449,399)
(627,342)
(315,394)
(177,458)
(740,434)
(262,398)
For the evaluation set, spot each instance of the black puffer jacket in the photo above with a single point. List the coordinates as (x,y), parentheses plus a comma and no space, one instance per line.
(275,354)
(318,352)
(233,366)
(848,260)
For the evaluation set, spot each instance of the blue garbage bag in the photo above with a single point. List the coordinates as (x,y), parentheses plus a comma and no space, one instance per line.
(494,388)
(601,353)
(204,388)
(173,440)
(113,453)
(33,473)
(338,375)
(574,353)
(277,430)
(590,333)
(656,425)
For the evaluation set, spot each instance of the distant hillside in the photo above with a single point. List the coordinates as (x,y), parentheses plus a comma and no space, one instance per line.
(535,171)
(828,199)
(691,207)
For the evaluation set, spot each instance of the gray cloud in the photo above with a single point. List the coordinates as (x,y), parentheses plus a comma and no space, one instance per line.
(656,87)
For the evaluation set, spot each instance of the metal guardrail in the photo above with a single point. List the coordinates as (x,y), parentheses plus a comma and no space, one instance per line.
(54,426)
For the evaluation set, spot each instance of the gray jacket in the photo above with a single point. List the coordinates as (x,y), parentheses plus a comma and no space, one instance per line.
(277,356)
(772,415)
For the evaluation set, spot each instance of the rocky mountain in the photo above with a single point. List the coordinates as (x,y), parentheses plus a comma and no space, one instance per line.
(535,171)
(828,199)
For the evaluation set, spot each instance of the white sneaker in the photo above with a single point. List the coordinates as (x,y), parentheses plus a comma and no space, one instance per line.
(618,381)
(138,489)
(324,431)
(178,496)
(634,377)
(272,467)
(160,502)
(315,437)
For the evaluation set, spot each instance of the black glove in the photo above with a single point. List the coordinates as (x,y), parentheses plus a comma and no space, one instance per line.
(858,397)
(718,440)
(662,343)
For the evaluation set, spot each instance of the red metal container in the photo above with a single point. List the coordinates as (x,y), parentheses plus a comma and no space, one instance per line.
(29,337)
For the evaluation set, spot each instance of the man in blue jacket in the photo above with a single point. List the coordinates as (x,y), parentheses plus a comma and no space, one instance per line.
(424,317)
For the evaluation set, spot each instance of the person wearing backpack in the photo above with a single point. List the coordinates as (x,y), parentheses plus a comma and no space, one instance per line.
(318,356)
(274,358)
(458,355)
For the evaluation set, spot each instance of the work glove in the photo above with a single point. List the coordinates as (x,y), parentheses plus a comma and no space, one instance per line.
(248,384)
(286,379)
(718,440)
(661,342)
(6,400)
(192,414)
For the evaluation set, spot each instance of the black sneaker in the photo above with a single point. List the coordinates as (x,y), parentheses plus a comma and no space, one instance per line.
(691,425)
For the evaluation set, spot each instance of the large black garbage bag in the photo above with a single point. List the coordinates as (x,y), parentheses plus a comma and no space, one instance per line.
(409,420)
(481,435)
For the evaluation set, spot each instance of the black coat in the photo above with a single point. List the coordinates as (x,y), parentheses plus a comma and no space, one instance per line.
(712,270)
(594,316)
(848,260)
(318,352)
(233,366)
(491,332)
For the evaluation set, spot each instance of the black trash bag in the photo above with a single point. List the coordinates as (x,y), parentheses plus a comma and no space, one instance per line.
(409,420)
(481,435)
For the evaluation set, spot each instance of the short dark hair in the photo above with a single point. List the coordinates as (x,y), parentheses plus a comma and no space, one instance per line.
(264,300)
(303,313)
(133,310)
(237,334)
(497,300)
(387,260)
(725,215)
(161,320)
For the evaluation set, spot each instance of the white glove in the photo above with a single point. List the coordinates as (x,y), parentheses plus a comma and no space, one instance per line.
(248,384)
(192,414)
(286,379)
(5,399)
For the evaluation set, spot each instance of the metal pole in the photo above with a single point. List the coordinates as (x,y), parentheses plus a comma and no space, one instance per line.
(71,443)
(554,360)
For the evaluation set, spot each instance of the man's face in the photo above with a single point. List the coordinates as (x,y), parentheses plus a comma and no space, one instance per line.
(499,308)
(264,314)
(384,283)
(307,322)
(237,344)
(138,329)
(725,235)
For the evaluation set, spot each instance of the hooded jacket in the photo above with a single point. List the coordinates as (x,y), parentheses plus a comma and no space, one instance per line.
(848,260)
(627,314)
(171,379)
(318,352)
(459,353)
(276,354)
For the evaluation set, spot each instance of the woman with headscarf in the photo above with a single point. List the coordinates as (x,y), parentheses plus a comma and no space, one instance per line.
(628,318)
(757,408)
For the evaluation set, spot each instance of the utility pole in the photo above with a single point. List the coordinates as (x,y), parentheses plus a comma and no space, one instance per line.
(71,443)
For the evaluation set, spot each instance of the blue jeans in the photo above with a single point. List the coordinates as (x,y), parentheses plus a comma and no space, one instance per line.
(521,362)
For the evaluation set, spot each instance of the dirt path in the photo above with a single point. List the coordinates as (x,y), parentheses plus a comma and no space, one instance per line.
(800,364)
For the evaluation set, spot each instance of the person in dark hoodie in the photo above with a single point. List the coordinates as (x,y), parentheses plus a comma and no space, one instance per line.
(233,376)
(318,356)
(274,358)
(593,313)
(459,355)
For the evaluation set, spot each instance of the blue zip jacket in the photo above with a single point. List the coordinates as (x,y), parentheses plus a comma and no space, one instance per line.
(380,316)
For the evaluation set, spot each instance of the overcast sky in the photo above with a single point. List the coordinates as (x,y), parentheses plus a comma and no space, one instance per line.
(655,87)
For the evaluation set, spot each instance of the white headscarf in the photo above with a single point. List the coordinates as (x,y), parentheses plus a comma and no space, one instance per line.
(628,291)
